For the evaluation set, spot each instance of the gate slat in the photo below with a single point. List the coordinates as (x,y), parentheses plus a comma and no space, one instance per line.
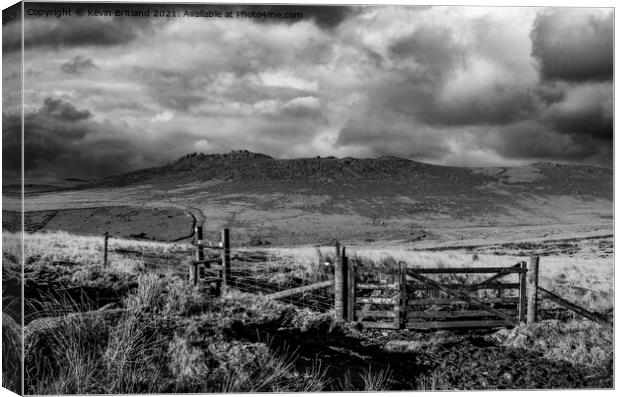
(376,286)
(458,324)
(449,301)
(498,270)
(462,296)
(452,314)
(470,287)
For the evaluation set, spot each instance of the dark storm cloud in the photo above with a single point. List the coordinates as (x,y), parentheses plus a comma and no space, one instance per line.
(585,110)
(574,45)
(11,144)
(325,16)
(531,140)
(62,141)
(589,121)
(77,65)
(45,138)
(433,50)
(507,108)
(74,31)
(429,54)
(446,85)
(63,111)
(11,28)
(414,99)
(56,33)
(80,32)
(435,57)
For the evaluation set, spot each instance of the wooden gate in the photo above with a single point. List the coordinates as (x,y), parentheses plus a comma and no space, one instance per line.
(435,298)
(443,303)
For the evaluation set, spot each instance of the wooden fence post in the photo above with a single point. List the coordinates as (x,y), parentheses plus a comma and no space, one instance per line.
(200,251)
(351,290)
(200,254)
(345,283)
(532,289)
(523,292)
(105,249)
(338,284)
(225,273)
(402,309)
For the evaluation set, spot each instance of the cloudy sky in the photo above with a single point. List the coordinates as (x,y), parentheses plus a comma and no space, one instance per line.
(464,86)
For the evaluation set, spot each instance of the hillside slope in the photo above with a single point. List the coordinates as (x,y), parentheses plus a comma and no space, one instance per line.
(312,200)
(244,166)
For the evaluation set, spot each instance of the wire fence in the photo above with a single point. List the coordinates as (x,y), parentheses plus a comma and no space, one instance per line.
(261,272)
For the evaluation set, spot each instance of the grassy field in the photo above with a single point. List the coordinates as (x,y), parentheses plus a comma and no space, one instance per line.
(138,326)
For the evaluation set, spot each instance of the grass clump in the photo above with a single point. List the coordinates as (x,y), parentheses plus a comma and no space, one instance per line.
(581,342)
(11,354)
(371,380)
(258,367)
(378,380)
(63,354)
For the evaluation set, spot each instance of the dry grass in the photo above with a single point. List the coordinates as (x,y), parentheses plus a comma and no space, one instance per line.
(588,282)
(87,250)
(378,380)
(580,341)
(148,349)
(11,243)
(172,337)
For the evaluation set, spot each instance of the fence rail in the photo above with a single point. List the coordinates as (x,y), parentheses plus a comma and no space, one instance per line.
(403,297)
(577,309)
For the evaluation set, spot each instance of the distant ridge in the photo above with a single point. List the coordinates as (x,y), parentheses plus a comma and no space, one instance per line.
(242,166)
(309,200)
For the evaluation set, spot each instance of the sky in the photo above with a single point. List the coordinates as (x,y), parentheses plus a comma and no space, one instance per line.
(459,86)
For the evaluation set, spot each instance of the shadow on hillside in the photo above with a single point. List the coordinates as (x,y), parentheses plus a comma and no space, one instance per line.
(457,360)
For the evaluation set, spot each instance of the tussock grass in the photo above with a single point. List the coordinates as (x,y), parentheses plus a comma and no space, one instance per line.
(145,346)
(373,380)
(580,342)
(268,370)
(11,354)
(63,354)
(377,380)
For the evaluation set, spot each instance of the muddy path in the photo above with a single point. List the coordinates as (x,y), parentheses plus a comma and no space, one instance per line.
(198,219)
